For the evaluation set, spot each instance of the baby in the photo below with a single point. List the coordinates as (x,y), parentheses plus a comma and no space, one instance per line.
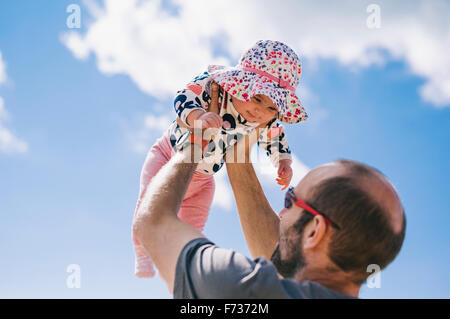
(253,96)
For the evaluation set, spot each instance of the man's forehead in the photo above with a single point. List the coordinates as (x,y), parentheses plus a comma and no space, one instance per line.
(318,174)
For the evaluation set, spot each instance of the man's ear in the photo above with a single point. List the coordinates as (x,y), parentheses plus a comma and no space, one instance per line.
(315,232)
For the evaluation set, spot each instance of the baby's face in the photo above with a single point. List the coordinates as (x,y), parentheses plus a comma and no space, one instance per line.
(259,109)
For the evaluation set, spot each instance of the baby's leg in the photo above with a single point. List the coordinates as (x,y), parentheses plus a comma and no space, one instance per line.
(198,199)
(159,154)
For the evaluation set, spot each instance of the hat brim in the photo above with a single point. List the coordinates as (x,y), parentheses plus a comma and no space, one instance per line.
(243,85)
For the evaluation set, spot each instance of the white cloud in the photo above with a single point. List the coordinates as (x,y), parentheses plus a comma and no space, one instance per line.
(158,123)
(223,194)
(142,40)
(151,128)
(9,143)
(76,44)
(161,51)
(315,111)
(3,113)
(2,69)
(267,173)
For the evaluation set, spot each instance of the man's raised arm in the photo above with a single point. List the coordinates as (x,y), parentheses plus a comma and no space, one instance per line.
(259,222)
(156,224)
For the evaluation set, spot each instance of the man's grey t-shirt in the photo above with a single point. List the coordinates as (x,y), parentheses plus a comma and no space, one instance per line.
(206,271)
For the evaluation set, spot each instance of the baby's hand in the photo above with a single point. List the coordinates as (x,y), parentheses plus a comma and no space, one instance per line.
(210,120)
(284,173)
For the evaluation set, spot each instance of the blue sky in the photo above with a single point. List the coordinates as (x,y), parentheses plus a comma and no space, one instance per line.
(68,196)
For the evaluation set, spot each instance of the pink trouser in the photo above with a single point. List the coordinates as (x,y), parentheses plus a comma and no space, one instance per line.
(194,209)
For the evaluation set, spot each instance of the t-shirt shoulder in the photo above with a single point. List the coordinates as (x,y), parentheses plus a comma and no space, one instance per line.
(206,271)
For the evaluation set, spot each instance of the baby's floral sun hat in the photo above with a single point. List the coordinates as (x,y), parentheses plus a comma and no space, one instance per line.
(270,68)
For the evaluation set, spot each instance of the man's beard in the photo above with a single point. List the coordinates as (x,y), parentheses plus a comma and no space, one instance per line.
(296,260)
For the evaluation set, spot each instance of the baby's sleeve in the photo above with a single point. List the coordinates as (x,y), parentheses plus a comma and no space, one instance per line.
(272,139)
(196,95)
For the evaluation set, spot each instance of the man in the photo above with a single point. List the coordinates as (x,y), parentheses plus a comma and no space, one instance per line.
(341,218)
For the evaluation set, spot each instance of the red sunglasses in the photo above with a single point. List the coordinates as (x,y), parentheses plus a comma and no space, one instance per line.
(291,198)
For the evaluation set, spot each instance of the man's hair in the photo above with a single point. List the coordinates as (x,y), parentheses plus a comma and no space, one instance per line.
(366,235)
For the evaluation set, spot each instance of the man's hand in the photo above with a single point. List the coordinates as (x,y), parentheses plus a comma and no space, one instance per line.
(214,104)
(210,120)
